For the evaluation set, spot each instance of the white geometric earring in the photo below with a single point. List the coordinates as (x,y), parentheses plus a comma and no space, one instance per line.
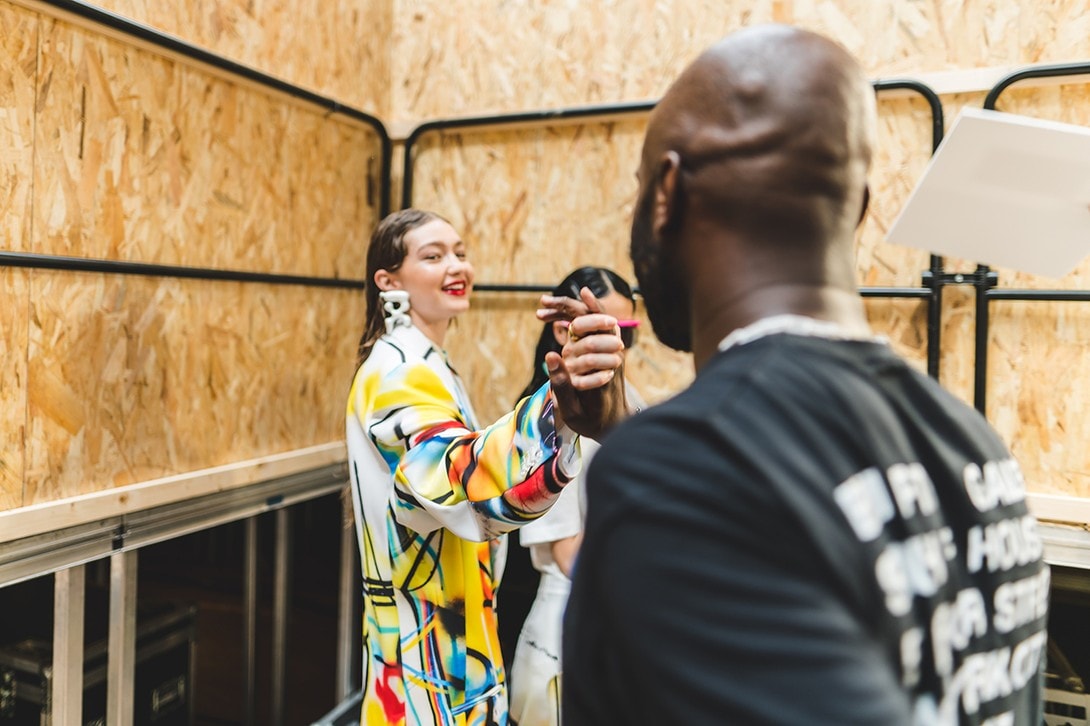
(395,308)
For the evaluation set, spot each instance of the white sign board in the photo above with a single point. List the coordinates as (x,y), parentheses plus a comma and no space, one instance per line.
(1004,190)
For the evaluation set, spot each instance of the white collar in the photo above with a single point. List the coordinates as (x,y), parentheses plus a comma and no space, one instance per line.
(412,339)
(794,325)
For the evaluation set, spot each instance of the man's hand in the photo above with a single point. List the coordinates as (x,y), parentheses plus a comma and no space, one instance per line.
(587,377)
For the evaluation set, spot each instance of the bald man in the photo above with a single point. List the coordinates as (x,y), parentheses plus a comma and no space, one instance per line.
(814,532)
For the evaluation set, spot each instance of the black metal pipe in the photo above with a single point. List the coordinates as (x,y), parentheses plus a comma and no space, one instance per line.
(1047,295)
(602,111)
(934,317)
(508,119)
(145,269)
(981,334)
(980,364)
(933,292)
(983,291)
(1051,71)
(938,122)
(935,266)
(890,292)
(176,45)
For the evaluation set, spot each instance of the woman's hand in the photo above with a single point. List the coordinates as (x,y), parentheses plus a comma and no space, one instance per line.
(588,391)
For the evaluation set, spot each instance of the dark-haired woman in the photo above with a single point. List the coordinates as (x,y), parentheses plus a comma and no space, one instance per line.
(553,539)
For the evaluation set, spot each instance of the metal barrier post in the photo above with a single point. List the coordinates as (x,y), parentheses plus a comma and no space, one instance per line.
(347,626)
(249,636)
(281,592)
(121,666)
(69,593)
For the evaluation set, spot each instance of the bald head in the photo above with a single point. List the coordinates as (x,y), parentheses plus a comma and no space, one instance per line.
(754,165)
(773,121)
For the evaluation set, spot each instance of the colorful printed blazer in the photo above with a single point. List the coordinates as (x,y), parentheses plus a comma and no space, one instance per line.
(432,495)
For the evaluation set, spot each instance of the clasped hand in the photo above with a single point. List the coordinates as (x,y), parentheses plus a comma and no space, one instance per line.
(587,376)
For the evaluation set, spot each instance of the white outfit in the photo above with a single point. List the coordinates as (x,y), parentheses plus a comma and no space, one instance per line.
(535,673)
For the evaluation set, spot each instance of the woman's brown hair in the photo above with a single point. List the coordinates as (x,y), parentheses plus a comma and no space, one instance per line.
(386,252)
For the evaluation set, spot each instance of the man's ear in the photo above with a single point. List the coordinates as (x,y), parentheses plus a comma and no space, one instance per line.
(666,207)
(385,281)
(866,203)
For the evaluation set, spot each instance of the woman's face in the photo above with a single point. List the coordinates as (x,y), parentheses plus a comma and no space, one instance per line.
(435,273)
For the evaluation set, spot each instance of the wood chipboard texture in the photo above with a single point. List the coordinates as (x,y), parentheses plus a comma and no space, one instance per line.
(18,60)
(114,152)
(143,159)
(132,379)
(1038,388)
(482,56)
(535,204)
(495,57)
(337,48)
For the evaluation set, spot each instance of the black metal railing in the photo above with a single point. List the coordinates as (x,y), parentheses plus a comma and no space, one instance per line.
(148,269)
(933,278)
(984,279)
(174,45)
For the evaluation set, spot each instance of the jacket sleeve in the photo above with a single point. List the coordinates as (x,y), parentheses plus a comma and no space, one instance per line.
(477,484)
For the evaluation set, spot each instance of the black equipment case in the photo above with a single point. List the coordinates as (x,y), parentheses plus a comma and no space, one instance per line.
(163,689)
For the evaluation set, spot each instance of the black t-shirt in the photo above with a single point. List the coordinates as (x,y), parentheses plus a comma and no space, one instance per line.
(812,533)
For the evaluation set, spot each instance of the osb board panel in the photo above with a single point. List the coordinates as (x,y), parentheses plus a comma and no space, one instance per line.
(902,150)
(13,412)
(905,36)
(1039,392)
(131,378)
(903,323)
(529,212)
(1038,388)
(18,61)
(338,48)
(489,55)
(1055,31)
(497,55)
(334,196)
(535,204)
(143,159)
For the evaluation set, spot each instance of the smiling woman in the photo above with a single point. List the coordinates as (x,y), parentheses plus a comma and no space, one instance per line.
(432,490)
(436,275)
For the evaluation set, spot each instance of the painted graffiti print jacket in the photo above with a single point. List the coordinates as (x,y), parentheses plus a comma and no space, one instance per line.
(433,494)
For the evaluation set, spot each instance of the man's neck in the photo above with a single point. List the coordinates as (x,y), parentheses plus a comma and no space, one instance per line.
(835,305)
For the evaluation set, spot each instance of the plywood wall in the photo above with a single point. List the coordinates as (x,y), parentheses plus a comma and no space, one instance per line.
(116,152)
(537,203)
(1038,386)
(113,152)
(532,213)
(18,60)
(132,379)
(495,55)
(238,178)
(337,48)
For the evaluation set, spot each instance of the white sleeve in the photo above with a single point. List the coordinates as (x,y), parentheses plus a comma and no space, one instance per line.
(565,518)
